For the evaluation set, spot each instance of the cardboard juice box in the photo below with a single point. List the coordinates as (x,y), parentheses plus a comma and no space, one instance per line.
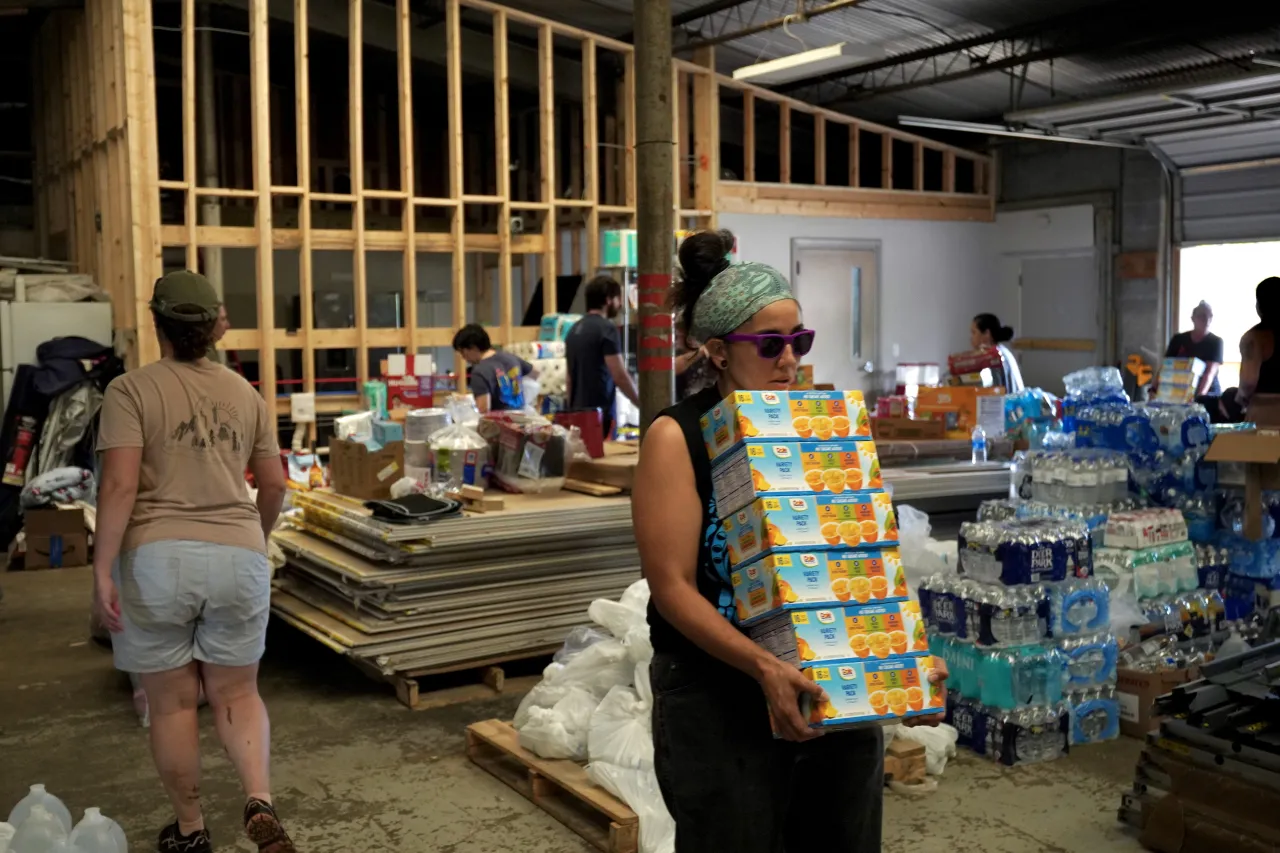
(827,634)
(805,579)
(762,467)
(873,691)
(793,415)
(801,522)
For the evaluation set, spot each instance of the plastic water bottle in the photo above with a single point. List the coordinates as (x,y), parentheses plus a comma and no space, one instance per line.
(40,831)
(38,796)
(978,440)
(96,833)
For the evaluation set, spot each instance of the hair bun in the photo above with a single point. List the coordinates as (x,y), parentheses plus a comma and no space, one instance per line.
(702,257)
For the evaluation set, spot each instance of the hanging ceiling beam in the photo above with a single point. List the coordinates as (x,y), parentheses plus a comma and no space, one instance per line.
(774,24)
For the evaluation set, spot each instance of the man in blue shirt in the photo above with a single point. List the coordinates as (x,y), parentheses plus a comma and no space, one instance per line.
(496,377)
(593,351)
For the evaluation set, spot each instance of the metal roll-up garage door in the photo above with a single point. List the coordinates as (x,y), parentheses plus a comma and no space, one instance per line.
(1238,205)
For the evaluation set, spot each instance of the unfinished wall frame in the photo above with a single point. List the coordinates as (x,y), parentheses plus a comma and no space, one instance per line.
(99,187)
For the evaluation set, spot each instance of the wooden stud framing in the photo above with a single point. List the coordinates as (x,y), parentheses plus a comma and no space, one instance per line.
(302,114)
(855,156)
(260,87)
(784,145)
(97,183)
(591,154)
(886,162)
(547,115)
(453,40)
(820,151)
(917,167)
(501,119)
(355,100)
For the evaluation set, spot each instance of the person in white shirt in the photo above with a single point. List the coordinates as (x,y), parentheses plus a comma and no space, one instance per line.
(986,331)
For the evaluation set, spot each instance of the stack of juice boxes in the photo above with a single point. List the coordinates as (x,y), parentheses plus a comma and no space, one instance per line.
(812,540)
(1179,378)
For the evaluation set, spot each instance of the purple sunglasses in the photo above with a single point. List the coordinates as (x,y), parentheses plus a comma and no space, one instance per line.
(772,345)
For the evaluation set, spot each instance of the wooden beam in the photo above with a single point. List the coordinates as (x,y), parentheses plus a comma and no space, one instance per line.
(917,167)
(748,136)
(685,198)
(820,151)
(355,103)
(795,200)
(1055,344)
(547,151)
(784,145)
(948,171)
(591,154)
(302,115)
(404,69)
(629,128)
(855,156)
(190,173)
(260,88)
(501,120)
(453,61)
(706,136)
(886,161)
(138,92)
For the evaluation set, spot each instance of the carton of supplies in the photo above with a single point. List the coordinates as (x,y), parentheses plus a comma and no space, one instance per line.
(799,523)
(786,415)
(761,467)
(833,634)
(806,579)
(872,692)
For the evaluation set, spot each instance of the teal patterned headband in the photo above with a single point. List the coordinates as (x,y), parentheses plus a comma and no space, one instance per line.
(735,296)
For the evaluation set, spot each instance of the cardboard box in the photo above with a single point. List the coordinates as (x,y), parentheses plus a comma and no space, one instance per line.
(907,429)
(358,472)
(761,467)
(58,550)
(53,521)
(1259,451)
(1138,690)
(784,415)
(955,405)
(801,523)
(873,692)
(830,634)
(791,581)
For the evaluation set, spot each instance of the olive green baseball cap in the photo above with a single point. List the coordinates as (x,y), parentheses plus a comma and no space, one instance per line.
(185,296)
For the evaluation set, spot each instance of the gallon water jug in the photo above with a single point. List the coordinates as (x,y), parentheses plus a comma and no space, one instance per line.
(39,832)
(6,835)
(38,796)
(96,833)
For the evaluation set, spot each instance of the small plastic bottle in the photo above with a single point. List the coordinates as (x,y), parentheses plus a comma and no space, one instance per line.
(978,440)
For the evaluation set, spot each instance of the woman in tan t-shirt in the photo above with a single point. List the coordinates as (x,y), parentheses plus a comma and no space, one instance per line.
(180,571)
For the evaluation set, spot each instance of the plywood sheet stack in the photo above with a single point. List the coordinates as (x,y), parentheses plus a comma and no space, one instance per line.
(467,591)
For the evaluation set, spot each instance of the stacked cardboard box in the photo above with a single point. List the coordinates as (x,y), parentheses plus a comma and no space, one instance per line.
(1179,378)
(812,541)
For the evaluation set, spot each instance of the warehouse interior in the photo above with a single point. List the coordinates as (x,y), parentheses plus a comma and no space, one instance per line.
(361,178)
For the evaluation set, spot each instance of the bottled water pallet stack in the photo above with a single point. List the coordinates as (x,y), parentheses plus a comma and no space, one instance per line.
(1024,630)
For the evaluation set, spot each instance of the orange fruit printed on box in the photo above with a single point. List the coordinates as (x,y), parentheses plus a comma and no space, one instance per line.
(870,692)
(826,634)
(761,467)
(784,415)
(793,580)
(802,522)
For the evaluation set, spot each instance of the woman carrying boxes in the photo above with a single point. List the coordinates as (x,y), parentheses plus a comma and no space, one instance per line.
(778,608)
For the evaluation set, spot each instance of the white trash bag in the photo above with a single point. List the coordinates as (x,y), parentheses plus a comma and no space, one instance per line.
(620,747)
(922,556)
(939,744)
(560,731)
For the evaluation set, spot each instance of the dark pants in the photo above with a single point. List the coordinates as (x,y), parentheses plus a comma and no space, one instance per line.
(733,788)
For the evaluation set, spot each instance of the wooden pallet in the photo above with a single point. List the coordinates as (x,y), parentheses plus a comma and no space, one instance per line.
(560,788)
(469,681)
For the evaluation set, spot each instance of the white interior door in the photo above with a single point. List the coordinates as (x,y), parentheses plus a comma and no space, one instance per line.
(1060,302)
(837,284)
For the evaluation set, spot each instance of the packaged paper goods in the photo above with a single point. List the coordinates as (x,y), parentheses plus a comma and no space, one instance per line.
(799,523)
(787,415)
(761,467)
(806,579)
(872,692)
(828,635)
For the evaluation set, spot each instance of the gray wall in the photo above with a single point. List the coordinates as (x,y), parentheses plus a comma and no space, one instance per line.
(1057,171)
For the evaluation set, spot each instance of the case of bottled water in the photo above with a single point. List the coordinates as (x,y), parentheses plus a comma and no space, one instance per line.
(1095,715)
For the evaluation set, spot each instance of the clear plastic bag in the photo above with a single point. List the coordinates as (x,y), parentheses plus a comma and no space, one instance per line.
(922,556)
(578,640)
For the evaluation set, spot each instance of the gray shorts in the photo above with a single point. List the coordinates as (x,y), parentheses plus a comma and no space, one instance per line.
(183,601)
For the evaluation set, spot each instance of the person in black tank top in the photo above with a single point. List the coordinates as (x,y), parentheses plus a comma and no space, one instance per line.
(730,784)
(1259,360)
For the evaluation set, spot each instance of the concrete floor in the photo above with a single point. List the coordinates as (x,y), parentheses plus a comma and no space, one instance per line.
(355,772)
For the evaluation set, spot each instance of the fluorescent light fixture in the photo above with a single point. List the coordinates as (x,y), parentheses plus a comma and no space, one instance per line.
(1269,59)
(1004,130)
(800,66)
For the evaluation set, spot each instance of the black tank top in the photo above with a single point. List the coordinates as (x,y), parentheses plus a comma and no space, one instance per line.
(1269,370)
(712,574)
